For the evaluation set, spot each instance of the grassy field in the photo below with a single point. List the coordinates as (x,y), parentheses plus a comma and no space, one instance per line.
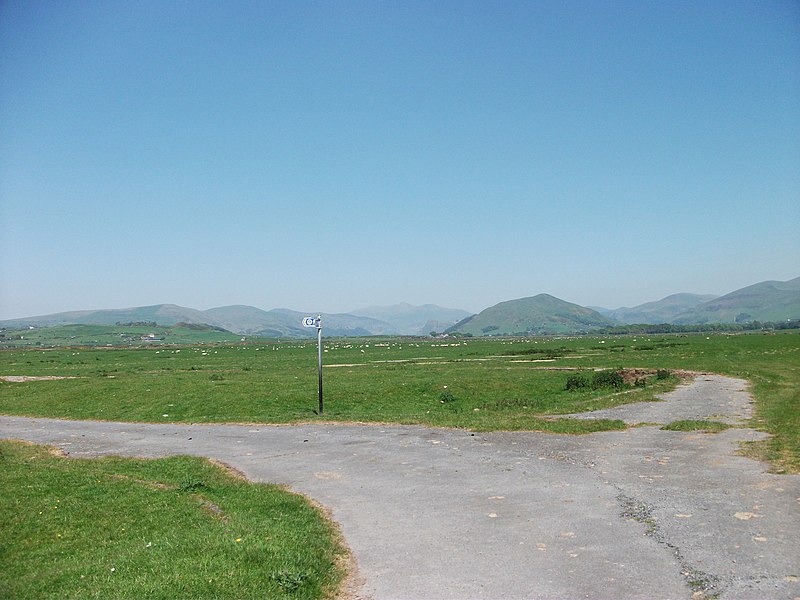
(170,528)
(107,528)
(480,384)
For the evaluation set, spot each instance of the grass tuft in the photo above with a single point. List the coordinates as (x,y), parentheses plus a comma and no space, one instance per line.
(696,425)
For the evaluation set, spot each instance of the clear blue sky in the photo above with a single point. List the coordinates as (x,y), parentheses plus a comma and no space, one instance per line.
(331,155)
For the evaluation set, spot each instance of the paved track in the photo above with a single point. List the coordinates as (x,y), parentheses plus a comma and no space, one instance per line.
(434,513)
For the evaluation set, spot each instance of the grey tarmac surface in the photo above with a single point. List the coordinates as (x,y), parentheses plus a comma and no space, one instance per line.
(432,513)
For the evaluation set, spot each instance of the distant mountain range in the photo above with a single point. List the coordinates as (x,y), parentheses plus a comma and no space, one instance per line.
(537,315)
(414,320)
(766,301)
(543,314)
(402,319)
(282,322)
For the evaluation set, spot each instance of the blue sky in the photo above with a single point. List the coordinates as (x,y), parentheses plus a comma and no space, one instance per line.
(328,156)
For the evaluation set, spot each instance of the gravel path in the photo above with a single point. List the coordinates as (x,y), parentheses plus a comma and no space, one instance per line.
(432,513)
(708,396)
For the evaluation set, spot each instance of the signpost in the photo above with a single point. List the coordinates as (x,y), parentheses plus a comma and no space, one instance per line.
(317,322)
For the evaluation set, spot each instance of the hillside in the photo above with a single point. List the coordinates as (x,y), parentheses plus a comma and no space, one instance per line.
(408,319)
(538,315)
(283,322)
(765,301)
(246,320)
(660,311)
(113,335)
(239,318)
(163,314)
(768,301)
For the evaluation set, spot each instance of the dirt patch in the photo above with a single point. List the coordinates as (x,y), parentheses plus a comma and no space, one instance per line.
(631,376)
(51,450)
(152,485)
(232,471)
(212,509)
(351,587)
(24,378)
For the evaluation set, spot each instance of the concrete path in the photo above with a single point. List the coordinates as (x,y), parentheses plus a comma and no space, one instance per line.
(709,397)
(432,513)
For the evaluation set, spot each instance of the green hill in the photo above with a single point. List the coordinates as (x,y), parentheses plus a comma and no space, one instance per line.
(765,301)
(282,322)
(113,335)
(242,319)
(768,301)
(163,314)
(246,320)
(660,311)
(538,315)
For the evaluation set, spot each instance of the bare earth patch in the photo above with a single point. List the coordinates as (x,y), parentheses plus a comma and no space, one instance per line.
(24,378)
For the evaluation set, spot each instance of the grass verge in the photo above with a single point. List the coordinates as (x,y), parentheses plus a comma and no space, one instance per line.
(179,527)
(696,425)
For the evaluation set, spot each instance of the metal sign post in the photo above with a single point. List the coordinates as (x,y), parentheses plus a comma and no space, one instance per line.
(317,322)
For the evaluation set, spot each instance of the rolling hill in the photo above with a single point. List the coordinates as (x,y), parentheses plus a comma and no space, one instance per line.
(765,301)
(113,335)
(768,301)
(288,323)
(246,320)
(163,314)
(660,311)
(240,318)
(538,315)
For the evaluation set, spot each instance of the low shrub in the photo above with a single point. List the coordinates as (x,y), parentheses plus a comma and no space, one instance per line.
(289,581)
(446,396)
(576,382)
(607,378)
(191,484)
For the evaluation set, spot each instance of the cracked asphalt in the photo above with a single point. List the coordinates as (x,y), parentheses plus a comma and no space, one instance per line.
(449,514)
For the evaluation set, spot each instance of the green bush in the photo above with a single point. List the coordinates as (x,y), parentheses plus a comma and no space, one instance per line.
(607,378)
(663,374)
(576,382)
(191,484)
(289,581)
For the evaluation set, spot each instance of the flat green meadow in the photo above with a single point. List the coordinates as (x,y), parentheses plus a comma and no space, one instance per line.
(478,384)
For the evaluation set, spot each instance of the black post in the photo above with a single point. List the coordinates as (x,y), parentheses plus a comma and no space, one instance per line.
(319,350)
